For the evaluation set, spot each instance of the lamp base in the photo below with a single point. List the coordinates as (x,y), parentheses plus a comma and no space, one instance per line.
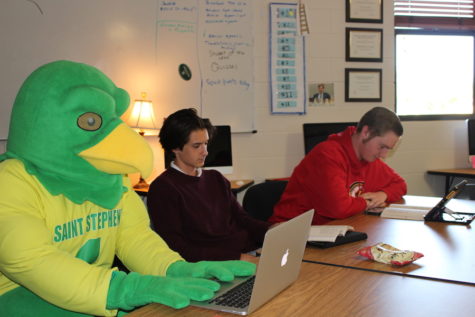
(141,184)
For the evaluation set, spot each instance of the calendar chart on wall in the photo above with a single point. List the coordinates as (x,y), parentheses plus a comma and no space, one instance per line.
(287,60)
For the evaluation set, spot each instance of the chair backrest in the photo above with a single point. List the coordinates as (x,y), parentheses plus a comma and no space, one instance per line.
(314,133)
(259,199)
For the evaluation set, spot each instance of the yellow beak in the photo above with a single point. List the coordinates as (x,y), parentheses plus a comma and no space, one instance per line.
(123,151)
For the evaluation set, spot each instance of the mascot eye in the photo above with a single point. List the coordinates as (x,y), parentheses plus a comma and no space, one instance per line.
(89,121)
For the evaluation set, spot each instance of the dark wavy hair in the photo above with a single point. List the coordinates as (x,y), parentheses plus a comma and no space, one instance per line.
(177,127)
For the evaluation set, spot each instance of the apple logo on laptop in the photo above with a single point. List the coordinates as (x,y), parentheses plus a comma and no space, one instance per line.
(284,258)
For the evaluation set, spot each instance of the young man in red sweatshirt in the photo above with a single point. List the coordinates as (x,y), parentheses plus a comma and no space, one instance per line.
(345,175)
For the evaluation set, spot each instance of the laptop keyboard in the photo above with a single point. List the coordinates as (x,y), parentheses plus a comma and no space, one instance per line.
(237,297)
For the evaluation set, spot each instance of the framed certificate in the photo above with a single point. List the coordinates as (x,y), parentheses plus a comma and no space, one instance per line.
(363,84)
(364,45)
(366,11)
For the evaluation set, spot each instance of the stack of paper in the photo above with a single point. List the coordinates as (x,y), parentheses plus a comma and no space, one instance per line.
(327,233)
(405,212)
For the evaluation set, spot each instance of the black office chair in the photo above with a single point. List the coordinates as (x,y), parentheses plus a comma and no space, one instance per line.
(259,199)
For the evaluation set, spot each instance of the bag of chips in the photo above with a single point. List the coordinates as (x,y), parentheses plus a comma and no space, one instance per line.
(388,254)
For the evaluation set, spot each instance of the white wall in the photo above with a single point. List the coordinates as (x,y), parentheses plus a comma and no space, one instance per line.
(278,145)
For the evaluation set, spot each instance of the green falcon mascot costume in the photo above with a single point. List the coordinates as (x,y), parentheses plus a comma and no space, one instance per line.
(67,207)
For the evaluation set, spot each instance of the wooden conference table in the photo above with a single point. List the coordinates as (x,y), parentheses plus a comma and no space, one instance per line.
(328,291)
(449,249)
(337,282)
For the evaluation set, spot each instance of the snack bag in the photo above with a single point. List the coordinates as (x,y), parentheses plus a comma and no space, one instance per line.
(388,254)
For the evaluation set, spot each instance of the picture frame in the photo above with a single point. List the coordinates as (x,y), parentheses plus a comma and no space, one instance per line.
(364,45)
(363,84)
(364,11)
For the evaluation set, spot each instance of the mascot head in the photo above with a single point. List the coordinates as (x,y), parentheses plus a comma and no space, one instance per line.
(66,129)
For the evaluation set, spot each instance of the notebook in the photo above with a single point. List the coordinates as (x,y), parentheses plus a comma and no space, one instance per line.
(279,266)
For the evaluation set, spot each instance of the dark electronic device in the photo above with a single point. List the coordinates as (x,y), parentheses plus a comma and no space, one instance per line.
(440,214)
(471,136)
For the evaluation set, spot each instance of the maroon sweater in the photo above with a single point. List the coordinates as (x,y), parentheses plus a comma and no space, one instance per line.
(200,218)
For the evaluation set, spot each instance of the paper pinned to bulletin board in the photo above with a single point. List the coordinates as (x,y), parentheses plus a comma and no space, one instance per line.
(287,60)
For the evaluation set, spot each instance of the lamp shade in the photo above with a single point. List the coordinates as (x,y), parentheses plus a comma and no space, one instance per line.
(142,117)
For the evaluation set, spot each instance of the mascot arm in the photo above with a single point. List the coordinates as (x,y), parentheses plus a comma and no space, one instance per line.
(138,246)
(184,282)
(143,251)
(128,291)
(28,258)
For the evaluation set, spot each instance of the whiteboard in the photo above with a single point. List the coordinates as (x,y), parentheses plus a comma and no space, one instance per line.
(214,39)
(125,40)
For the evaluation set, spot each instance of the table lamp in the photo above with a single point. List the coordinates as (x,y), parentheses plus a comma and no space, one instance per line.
(142,120)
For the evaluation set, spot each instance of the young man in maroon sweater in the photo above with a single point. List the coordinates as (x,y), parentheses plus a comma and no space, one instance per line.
(345,175)
(192,209)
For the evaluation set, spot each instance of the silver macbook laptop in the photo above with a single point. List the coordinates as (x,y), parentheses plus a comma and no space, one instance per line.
(279,266)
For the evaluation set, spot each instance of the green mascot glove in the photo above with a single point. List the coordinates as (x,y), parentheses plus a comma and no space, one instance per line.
(222,270)
(127,291)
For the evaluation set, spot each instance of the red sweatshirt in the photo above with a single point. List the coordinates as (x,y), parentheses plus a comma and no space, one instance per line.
(329,180)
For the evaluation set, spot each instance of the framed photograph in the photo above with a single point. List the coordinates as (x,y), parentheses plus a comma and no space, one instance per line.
(364,45)
(363,84)
(365,11)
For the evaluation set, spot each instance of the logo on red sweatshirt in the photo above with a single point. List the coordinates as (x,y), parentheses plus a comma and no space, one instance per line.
(356,189)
